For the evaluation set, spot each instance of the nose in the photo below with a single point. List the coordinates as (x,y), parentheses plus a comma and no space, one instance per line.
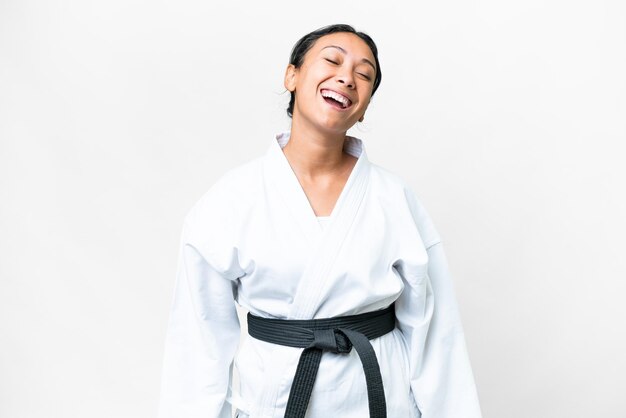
(346,79)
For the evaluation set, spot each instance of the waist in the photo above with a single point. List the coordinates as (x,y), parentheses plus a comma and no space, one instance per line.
(302,333)
(337,335)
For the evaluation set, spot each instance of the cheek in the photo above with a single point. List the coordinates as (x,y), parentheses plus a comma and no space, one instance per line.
(307,88)
(305,95)
(314,76)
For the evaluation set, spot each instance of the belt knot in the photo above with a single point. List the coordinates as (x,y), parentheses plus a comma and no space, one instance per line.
(337,335)
(333,340)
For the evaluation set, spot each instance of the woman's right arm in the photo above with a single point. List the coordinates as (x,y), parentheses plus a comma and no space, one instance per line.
(202,336)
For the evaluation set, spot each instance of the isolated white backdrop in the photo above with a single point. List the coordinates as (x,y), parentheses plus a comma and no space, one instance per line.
(507,119)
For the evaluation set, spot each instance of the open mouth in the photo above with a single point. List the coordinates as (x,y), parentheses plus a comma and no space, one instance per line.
(336,100)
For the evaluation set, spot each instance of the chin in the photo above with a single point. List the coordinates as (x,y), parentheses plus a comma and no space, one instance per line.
(334,127)
(335,124)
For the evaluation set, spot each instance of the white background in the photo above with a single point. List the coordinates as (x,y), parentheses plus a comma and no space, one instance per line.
(508,119)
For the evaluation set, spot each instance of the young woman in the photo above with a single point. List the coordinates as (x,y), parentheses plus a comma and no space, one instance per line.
(352,310)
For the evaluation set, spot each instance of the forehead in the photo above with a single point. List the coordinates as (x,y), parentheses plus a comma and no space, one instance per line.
(351,43)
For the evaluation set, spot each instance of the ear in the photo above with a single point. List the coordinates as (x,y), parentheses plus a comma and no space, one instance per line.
(363,115)
(290,77)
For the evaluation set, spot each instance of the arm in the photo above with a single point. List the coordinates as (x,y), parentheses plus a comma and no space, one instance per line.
(202,337)
(440,372)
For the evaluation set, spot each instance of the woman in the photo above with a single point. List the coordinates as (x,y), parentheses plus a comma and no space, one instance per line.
(352,311)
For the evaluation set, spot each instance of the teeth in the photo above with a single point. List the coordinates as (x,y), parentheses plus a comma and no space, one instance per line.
(341,99)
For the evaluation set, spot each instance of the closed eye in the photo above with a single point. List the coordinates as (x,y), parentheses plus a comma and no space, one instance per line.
(362,75)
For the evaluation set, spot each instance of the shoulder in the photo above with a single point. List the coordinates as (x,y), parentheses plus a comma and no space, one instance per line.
(385,177)
(216,205)
(403,194)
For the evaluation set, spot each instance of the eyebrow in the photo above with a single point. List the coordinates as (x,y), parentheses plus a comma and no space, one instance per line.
(344,51)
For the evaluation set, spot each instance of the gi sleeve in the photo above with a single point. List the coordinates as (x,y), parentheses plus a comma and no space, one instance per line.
(202,336)
(440,373)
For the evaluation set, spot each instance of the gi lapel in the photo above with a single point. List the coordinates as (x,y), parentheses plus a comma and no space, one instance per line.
(325,244)
(284,179)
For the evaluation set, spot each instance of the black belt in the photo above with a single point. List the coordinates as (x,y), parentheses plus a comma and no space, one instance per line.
(337,335)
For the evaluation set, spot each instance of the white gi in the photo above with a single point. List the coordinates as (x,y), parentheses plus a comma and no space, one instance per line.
(254,239)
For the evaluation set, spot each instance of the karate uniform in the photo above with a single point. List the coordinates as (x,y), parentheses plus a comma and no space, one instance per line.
(254,239)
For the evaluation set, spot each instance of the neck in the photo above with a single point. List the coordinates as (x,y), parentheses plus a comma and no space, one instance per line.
(313,153)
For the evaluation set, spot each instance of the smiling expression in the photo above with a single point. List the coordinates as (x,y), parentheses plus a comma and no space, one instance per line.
(334,83)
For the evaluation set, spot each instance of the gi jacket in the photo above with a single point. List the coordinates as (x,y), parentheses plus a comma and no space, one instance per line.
(254,239)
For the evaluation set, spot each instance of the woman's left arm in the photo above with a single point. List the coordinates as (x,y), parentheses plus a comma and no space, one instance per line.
(441,376)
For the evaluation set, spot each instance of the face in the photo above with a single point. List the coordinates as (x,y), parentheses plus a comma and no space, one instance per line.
(334,84)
